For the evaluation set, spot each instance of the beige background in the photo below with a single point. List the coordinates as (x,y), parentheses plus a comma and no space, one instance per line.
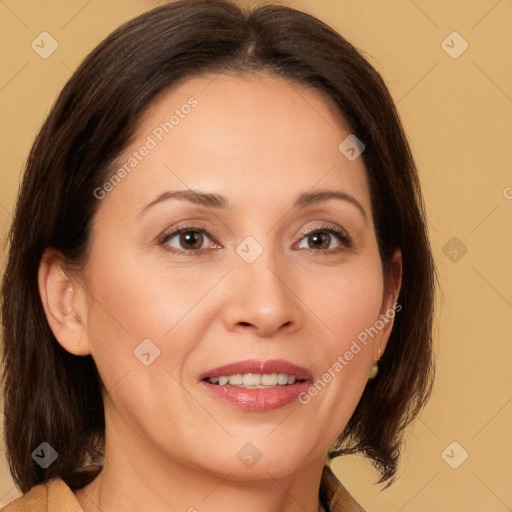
(457,113)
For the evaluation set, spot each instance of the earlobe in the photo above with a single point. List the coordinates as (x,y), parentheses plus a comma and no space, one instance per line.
(62,299)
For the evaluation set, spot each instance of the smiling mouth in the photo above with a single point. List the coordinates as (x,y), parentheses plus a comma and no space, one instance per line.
(254,380)
(255,385)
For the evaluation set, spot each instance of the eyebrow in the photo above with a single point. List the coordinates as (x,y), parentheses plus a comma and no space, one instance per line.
(218,201)
(192,196)
(319,196)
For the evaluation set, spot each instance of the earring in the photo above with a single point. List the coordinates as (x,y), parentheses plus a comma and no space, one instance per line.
(375,367)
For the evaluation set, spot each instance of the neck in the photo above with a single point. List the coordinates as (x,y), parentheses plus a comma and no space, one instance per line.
(142,479)
(112,491)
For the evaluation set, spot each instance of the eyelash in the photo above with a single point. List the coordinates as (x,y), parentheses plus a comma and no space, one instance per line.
(346,242)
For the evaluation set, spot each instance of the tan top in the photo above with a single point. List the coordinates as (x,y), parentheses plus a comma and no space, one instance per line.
(57,496)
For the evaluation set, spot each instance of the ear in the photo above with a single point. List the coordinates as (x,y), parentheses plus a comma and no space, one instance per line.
(64,303)
(390,308)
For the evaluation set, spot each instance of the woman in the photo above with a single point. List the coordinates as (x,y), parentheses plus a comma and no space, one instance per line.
(138,377)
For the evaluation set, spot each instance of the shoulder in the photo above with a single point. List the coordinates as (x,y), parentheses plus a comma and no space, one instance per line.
(334,496)
(34,500)
(56,495)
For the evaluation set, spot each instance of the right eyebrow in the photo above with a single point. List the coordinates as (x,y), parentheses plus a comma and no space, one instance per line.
(201,198)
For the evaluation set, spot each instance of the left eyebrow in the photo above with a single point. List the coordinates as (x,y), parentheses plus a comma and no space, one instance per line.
(318,196)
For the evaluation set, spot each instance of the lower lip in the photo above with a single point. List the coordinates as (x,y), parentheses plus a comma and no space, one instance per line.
(258,399)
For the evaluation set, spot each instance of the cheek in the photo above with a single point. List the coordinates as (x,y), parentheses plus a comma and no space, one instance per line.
(132,302)
(145,300)
(349,301)
(349,307)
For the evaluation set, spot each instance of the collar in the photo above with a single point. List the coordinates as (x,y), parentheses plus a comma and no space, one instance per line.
(334,496)
(57,495)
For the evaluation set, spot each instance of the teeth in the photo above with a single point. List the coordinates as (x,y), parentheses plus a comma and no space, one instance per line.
(282,379)
(268,380)
(254,380)
(236,380)
(250,379)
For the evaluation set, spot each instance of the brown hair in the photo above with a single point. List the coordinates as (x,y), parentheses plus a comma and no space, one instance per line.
(56,397)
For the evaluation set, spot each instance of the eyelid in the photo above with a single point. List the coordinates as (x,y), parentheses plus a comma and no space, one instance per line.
(344,238)
(170,234)
(327,227)
(340,233)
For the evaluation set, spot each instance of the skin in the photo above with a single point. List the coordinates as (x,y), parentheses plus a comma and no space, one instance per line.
(170,445)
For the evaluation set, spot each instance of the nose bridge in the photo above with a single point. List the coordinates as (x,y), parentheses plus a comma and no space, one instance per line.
(260,293)
(267,278)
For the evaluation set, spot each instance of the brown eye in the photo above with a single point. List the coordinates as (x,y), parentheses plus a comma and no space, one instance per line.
(319,240)
(188,239)
(191,239)
(325,240)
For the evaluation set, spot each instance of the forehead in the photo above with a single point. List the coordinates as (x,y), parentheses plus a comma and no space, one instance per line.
(254,137)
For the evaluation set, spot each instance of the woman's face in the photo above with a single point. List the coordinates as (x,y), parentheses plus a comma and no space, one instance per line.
(258,281)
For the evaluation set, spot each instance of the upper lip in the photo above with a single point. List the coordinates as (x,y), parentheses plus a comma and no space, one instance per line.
(261,367)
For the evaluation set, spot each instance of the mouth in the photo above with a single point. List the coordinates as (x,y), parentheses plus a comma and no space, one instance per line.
(257,385)
(254,380)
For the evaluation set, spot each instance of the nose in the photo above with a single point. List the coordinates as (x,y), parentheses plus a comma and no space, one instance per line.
(260,298)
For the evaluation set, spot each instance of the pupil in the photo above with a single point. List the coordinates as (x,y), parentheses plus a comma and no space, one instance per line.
(317,241)
(191,239)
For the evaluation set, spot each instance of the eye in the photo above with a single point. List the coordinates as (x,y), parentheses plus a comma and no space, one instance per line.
(188,239)
(321,239)
(193,240)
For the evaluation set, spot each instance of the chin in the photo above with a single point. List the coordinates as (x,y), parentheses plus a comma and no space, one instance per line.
(258,460)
